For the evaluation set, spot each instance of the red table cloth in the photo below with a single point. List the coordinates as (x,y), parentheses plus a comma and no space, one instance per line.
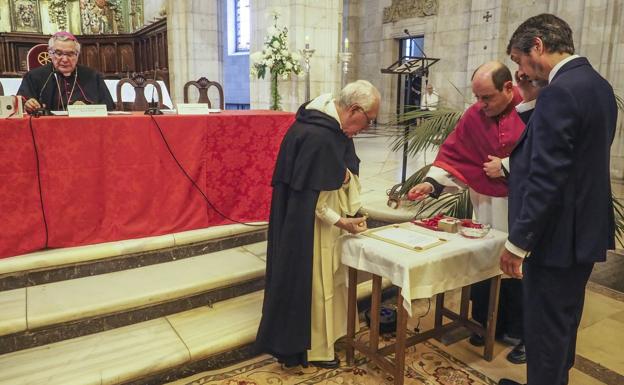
(112,178)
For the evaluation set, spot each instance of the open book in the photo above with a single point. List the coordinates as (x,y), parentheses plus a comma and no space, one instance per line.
(405,237)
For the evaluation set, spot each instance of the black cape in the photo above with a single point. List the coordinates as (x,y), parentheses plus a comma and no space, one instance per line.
(313,157)
(43,84)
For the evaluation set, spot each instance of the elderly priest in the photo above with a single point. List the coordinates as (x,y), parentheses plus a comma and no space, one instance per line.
(55,86)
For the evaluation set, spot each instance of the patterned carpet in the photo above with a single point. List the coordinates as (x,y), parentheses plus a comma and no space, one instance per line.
(426,364)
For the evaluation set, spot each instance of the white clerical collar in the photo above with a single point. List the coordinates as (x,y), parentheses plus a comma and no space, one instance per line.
(325,103)
(557,67)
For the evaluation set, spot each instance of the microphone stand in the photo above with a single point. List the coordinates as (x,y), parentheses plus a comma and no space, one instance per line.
(153,107)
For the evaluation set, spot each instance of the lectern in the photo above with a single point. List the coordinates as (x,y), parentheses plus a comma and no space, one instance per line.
(411,66)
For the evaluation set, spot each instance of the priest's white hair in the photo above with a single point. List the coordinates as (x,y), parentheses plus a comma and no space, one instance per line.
(57,37)
(360,92)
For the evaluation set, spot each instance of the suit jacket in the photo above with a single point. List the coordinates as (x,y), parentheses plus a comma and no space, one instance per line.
(560,205)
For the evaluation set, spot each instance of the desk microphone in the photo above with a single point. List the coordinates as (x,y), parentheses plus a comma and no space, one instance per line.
(43,110)
(152,107)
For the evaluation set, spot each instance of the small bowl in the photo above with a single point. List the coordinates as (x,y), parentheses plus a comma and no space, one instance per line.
(473,230)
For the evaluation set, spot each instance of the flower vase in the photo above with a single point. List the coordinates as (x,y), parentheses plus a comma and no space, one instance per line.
(275,96)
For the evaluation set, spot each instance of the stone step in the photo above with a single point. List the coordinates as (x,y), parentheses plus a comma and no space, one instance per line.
(55,265)
(150,352)
(52,312)
(131,352)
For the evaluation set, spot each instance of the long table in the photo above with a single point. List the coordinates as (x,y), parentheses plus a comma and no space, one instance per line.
(112,178)
(456,263)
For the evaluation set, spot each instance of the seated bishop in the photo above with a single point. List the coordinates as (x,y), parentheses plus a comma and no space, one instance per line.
(62,82)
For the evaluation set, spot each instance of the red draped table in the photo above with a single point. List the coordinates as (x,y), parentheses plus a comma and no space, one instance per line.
(113,178)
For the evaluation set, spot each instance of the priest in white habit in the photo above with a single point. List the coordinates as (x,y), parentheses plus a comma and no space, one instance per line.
(315,193)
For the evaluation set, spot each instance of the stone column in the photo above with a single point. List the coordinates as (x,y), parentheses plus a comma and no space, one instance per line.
(322,23)
(193,43)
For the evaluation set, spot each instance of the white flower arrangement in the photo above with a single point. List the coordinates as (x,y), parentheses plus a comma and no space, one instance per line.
(275,58)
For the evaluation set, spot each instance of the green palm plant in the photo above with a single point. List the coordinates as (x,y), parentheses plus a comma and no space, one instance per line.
(428,130)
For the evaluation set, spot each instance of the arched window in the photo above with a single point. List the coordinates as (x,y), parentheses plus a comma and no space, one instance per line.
(241,25)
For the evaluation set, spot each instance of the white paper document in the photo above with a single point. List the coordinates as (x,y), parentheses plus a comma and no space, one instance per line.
(87,110)
(193,109)
(408,238)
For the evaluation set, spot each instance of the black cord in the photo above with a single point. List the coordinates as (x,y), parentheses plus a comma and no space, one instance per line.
(417,328)
(45,222)
(195,184)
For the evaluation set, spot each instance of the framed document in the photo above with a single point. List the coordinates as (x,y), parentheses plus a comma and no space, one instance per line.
(412,239)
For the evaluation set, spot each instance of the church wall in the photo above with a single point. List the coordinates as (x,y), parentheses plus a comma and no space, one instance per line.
(322,23)
(459,34)
(193,43)
(462,38)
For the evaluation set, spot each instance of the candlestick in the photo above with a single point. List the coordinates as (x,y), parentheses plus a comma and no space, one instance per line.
(345,58)
(307,54)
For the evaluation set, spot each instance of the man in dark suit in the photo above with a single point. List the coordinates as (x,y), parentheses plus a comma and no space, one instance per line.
(561,218)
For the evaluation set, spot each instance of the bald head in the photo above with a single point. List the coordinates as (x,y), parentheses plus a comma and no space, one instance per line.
(495,71)
(492,86)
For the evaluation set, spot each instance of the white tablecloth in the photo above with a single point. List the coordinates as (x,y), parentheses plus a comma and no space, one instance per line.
(421,274)
(11,85)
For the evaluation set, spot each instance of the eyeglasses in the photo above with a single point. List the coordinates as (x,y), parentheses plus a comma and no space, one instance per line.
(58,53)
(371,122)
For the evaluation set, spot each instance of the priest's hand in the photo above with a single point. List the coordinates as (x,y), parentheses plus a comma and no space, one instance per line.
(420,191)
(493,168)
(31,105)
(511,264)
(353,225)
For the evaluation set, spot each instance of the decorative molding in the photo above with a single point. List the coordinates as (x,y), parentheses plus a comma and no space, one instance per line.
(406,9)
(58,13)
(102,16)
(25,16)
(136,14)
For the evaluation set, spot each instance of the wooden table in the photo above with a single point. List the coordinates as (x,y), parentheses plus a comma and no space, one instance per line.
(385,260)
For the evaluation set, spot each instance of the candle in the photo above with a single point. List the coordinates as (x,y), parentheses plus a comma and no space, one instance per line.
(346,44)
(307,42)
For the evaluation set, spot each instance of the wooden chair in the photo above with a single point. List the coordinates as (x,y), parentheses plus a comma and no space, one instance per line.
(203,85)
(37,56)
(138,82)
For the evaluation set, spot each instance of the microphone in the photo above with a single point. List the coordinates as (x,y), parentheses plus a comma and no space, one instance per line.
(44,110)
(152,107)
(407,32)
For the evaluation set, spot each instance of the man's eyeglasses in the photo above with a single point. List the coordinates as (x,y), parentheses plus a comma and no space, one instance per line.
(58,53)
(371,122)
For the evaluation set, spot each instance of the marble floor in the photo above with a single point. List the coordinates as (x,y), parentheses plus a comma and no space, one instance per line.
(600,348)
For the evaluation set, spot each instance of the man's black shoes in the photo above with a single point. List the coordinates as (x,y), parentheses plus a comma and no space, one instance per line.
(333,364)
(505,381)
(477,340)
(517,355)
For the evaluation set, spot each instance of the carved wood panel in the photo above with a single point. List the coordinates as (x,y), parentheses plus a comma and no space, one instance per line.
(115,56)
